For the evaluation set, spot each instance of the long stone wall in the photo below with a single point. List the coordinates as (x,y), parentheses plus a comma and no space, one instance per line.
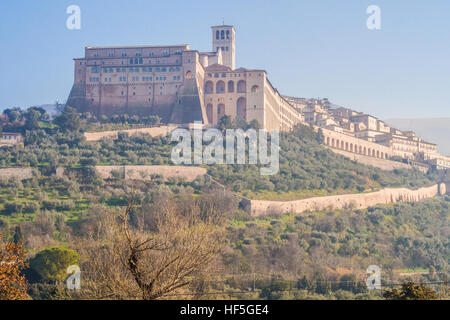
(348,201)
(20,173)
(154,131)
(146,172)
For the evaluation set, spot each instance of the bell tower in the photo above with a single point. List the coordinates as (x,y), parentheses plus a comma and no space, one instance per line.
(224,39)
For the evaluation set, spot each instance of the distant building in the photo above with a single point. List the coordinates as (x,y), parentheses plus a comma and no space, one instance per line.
(10,138)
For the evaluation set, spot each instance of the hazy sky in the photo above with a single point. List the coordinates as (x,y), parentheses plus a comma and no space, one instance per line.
(314,48)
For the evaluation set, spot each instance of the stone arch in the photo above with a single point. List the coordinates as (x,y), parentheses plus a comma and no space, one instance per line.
(332,142)
(220,87)
(241,106)
(220,111)
(369,152)
(382,155)
(342,144)
(230,86)
(346,146)
(328,141)
(373,153)
(378,153)
(351,147)
(338,144)
(188,75)
(209,113)
(242,86)
(255,89)
(209,87)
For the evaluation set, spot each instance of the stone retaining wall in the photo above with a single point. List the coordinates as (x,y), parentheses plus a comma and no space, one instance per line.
(145,172)
(21,173)
(349,201)
(154,131)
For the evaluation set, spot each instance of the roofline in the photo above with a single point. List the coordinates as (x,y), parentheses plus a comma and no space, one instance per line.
(223,25)
(138,47)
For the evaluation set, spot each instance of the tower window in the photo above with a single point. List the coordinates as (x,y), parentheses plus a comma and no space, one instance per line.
(217,35)
(222,35)
(228,35)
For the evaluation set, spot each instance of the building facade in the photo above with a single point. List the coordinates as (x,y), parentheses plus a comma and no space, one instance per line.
(178,84)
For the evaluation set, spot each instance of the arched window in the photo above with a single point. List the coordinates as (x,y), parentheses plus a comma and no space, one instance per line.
(220,111)
(228,34)
(222,35)
(188,75)
(209,113)
(220,87)
(230,86)
(255,89)
(241,108)
(241,86)
(217,34)
(209,87)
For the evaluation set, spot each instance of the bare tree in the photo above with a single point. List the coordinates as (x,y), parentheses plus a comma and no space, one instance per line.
(164,259)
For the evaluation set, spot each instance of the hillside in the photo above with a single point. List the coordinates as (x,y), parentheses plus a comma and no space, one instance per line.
(63,210)
(325,254)
(307,169)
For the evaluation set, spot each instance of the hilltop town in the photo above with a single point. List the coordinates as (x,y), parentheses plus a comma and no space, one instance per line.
(364,134)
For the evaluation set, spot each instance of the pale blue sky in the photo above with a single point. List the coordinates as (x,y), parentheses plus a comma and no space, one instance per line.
(314,48)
